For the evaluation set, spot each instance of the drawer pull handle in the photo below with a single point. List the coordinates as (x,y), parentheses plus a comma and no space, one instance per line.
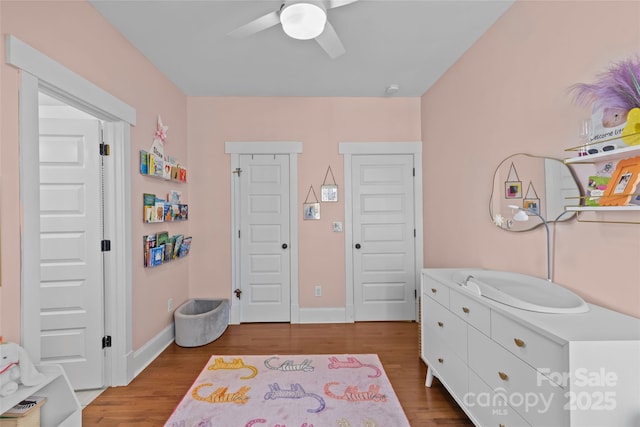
(440,360)
(465,309)
(434,290)
(440,324)
(519,342)
(500,425)
(503,376)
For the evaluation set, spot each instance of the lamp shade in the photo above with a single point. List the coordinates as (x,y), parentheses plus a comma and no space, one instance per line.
(303,21)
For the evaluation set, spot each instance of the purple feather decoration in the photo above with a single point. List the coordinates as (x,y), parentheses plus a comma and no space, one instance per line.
(615,88)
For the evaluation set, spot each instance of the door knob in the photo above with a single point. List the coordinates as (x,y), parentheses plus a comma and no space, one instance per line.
(237,292)
(284,246)
(358,246)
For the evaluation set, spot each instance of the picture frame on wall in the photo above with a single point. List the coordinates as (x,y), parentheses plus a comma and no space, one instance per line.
(329,193)
(311,210)
(513,189)
(623,183)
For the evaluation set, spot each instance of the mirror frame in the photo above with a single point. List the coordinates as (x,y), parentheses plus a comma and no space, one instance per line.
(535,220)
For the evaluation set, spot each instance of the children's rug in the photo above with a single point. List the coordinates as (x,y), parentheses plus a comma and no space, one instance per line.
(346,390)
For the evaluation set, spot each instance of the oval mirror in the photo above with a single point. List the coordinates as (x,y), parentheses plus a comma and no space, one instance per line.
(540,186)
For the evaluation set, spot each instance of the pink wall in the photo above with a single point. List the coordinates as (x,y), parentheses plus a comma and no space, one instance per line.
(75,35)
(508,94)
(320,124)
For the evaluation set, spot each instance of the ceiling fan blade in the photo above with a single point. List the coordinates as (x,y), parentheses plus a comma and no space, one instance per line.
(337,3)
(257,25)
(330,42)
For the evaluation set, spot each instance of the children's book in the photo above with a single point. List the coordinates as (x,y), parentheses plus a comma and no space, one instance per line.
(149,201)
(177,245)
(184,212)
(144,162)
(182,174)
(24,407)
(149,243)
(184,247)
(595,189)
(157,256)
(162,238)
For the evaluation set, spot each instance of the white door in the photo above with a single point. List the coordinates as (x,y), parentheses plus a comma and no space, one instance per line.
(383,237)
(265,278)
(71,312)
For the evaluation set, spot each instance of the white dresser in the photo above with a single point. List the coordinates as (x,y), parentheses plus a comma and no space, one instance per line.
(511,367)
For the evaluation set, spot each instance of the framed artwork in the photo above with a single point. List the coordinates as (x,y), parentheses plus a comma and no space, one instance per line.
(513,189)
(623,183)
(532,205)
(329,192)
(311,210)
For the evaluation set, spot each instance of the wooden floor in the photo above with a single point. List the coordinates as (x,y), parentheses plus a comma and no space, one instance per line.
(153,395)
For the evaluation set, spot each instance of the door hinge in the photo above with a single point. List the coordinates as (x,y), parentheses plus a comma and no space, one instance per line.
(104,149)
(414,233)
(106,341)
(415,293)
(414,171)
(105,245)
(238,234)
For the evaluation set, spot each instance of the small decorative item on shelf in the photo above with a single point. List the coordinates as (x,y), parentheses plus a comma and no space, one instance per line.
(155,163)
(613,97)
(622,186)
(311,209)
(161,248)
(329,192)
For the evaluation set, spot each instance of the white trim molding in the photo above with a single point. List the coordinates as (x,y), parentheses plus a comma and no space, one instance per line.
(39,73)
(59,79)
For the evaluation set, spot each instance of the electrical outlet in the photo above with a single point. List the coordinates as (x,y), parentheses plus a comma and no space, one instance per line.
(318,290)
(170,305)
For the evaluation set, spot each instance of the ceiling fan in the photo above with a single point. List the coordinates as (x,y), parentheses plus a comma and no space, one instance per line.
(302,20)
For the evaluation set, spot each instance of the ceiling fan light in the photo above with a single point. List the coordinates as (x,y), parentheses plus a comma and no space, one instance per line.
(303,21)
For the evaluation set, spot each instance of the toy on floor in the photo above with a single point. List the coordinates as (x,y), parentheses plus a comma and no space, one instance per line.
(16,368)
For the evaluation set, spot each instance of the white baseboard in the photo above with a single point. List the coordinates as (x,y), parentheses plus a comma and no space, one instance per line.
(152,349)
(323,315)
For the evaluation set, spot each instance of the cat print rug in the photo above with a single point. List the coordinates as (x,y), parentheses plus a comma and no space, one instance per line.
(345,390)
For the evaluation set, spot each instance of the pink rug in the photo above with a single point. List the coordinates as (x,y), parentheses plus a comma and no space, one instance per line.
(345,390)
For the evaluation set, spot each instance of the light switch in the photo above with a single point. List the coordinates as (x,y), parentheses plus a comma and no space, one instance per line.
(337,226)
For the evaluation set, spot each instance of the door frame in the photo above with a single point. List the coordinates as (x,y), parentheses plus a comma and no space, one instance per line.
(38,72)
(349,149)
(292,149)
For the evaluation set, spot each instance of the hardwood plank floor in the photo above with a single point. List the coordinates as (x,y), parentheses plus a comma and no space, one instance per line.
(153,395)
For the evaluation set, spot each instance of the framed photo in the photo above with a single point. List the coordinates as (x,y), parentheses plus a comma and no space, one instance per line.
(311,210)
(329,193)
(513,189)
(532,205)
(623,183)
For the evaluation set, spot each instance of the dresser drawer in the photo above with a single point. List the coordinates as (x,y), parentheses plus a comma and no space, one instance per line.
(442,324)
(435,290)
(471,311)
(537,350)
(447,367)
(538,401)
(489,408)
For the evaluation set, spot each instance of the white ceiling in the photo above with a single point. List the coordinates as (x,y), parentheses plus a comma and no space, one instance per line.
(408,43)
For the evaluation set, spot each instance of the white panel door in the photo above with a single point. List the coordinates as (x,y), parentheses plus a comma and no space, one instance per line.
(265,278)
(383,237)
(71,312)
